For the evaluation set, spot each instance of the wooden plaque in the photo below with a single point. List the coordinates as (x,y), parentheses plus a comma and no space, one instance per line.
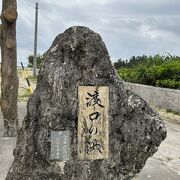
(93,124)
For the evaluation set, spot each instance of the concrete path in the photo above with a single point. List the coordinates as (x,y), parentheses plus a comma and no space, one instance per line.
(164,165)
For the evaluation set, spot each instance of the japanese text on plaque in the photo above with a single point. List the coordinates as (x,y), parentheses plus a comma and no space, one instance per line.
(93,127)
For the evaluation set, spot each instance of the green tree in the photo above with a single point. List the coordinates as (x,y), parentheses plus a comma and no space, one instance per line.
(30,58)
(120,63)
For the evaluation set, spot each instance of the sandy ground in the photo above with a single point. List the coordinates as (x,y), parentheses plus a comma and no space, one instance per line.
(164,165)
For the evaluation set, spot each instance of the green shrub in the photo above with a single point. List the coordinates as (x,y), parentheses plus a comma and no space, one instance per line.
(173,112)
(168,83)
(156,71)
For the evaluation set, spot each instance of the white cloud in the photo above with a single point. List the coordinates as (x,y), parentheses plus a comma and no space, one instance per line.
(128,27)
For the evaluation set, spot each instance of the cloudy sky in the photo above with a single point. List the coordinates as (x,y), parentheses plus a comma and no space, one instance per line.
(128,27)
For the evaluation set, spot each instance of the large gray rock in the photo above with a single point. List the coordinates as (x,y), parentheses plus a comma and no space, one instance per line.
(79,57)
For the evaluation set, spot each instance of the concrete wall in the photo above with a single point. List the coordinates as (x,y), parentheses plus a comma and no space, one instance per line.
(159,97)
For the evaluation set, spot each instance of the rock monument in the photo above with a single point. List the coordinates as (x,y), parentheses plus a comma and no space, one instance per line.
(83,122)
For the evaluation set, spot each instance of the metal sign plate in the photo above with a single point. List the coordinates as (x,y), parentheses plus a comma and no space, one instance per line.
(60,145)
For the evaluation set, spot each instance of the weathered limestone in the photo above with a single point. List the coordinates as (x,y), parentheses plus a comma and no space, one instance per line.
(78,57)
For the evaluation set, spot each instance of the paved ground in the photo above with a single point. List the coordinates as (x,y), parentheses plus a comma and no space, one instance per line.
(164,165)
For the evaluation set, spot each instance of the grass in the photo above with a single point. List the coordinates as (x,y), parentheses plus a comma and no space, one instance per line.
(23,92)
(32,79)
(23,95)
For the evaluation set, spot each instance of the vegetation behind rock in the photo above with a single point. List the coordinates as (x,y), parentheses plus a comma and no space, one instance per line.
(162,71)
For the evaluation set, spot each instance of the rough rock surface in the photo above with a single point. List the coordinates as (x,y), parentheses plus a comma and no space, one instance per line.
(79,57)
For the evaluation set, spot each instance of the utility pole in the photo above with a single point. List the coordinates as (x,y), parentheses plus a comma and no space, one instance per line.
(9,81)
(35,42)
